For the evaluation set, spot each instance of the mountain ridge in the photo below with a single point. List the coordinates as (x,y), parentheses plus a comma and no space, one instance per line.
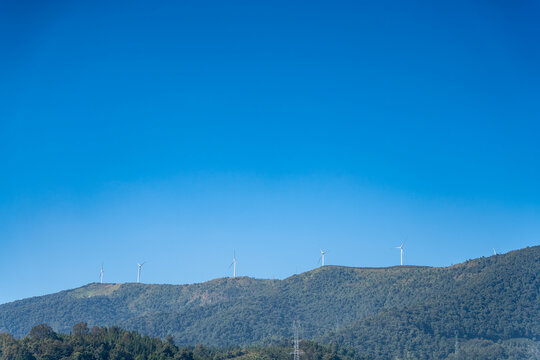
(354,306)
(241,277)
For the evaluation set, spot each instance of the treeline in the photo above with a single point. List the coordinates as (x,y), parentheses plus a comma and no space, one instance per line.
(115,343)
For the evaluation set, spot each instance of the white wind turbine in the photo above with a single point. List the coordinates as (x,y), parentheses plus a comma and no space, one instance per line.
(494,252)
(101,274)
(233,264)
(321,258)
(400,247)
(139,268)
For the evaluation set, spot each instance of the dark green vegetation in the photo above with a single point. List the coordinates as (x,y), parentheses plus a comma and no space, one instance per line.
(492,303)
(102,343)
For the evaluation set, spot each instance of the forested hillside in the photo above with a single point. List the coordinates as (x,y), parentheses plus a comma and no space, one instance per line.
(101,343)
(494,302)
(381,312)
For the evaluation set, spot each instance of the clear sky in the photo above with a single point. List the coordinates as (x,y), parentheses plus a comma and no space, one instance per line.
(175,132)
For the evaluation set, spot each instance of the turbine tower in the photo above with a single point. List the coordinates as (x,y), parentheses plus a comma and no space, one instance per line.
(101,274)
(139,268)
(494,252)
(400,247)
(321,258)
(233,264)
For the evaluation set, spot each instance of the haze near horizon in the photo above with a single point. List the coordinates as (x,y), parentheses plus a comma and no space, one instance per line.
(176,134)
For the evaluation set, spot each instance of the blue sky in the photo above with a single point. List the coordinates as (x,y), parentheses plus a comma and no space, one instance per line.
(176,132)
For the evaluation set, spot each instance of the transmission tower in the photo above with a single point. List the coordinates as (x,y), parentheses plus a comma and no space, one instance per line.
(456,346)
(296,341)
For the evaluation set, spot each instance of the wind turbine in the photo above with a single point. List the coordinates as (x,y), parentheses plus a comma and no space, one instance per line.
(233,264)
(321,258)
(494,252)
(101,274)
(139,268)
(400,247)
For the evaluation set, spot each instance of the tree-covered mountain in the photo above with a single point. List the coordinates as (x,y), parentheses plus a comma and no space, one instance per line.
(493,304)
(488,303)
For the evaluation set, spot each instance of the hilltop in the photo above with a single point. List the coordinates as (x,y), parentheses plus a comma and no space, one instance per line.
(380,312)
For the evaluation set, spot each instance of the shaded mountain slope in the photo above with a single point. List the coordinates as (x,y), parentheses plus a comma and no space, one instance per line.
(495,299)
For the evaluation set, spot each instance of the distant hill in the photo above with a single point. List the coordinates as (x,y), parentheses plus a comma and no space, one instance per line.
(492,304)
